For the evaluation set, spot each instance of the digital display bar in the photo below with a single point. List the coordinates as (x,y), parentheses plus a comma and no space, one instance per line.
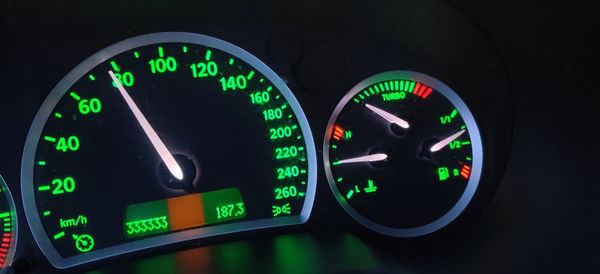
(183,212)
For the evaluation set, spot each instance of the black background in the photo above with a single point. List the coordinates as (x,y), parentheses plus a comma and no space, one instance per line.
(544,216)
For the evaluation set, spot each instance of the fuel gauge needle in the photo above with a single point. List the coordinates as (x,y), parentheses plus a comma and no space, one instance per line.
(369,158)
(443,143)
(388,116)
(160,147)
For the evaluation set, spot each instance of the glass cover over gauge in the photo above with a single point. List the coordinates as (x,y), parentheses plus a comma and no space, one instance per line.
(8,219)
(403,154)
(163,138)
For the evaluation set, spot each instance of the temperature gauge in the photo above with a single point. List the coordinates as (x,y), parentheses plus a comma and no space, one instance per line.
(8,220)
(403,154)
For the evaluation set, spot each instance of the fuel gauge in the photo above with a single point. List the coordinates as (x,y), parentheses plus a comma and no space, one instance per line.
(403,154)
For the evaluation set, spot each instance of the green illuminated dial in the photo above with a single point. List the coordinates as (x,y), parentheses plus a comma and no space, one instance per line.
(403,154)
(163,138)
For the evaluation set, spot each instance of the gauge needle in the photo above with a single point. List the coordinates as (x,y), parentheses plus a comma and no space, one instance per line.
(369,158)
(154,139)
(441,144)
(388,116)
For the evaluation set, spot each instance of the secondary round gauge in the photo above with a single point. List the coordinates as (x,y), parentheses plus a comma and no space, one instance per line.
(8,219)
(403,154)
(163,138)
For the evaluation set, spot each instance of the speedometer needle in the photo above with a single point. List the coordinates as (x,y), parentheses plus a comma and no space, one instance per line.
(443,143)
(388,116)
(369,158)
(160,147)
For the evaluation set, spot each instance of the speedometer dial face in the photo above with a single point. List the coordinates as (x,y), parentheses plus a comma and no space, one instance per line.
(163,138)
(403,154)
(8,221)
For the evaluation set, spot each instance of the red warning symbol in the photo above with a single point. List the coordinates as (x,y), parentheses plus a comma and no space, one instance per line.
(338,132)
(422,91)
(465,171)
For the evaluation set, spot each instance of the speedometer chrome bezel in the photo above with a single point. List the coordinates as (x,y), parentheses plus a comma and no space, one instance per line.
(476,144)
(27,164)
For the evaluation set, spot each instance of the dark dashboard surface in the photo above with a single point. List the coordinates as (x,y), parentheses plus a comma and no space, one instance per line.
(538,65)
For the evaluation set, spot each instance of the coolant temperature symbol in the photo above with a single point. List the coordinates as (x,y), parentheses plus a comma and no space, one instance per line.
(371,187)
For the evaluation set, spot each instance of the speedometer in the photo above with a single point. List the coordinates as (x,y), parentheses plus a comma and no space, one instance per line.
(163,138)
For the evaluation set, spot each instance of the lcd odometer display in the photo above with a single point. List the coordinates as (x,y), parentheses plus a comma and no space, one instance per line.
(163,138)
(403,154)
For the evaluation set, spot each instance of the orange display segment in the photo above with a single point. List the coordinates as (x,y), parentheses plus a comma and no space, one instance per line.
(185,212)
(338,132)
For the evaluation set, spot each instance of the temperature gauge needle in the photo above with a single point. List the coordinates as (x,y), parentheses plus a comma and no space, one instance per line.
(388,116)
(369,158)
(443,143)
(160,147)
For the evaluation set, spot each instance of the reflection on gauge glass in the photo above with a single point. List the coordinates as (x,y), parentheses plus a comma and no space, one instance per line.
(403,154)
(163,138)
(8,219)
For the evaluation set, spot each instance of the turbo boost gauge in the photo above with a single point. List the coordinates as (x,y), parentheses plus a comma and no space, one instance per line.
(403,154)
